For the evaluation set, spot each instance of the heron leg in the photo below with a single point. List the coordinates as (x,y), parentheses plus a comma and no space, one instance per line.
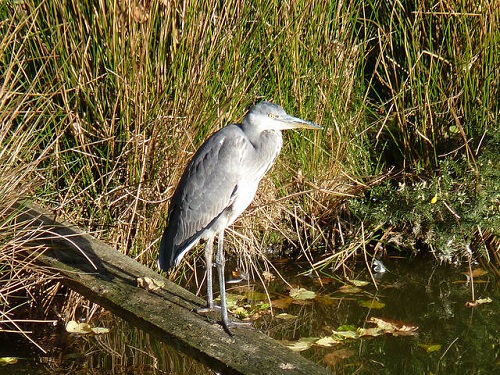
(208,260)
(220,261)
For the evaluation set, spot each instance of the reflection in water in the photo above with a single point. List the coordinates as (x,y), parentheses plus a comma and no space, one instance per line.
(451,338)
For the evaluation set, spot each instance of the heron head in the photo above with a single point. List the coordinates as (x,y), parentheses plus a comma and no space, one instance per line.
(270,116)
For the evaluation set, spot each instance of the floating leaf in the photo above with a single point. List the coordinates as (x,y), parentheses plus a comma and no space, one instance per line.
(429,348)
(268,276)
(346,334)
(478,302)
(372,304)
(241,312)
(359,282)
(349,289)
(394,327)
(79,328)
(303,344)
(4,361)
(299,346)
(286,316)
(302,294)
(149,284)
(374,332)
(326,341)
(99,330)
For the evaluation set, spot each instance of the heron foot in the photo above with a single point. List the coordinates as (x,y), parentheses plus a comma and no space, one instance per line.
(230,324)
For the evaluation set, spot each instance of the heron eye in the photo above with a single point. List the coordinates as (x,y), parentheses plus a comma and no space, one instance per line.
(272,115)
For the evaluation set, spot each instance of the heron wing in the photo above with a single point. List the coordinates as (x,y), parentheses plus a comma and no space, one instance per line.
(207,188)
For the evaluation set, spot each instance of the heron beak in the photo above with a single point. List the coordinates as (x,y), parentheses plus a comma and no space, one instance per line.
(291,122)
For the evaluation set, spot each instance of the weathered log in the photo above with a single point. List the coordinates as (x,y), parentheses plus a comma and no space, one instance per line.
(166,313)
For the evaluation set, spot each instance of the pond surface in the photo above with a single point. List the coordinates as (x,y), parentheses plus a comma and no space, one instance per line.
(435,332)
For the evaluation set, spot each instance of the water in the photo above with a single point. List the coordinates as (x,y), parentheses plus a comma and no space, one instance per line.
(451,338)
(419,294)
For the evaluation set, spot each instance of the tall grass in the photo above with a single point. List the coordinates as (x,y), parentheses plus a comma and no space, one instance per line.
(433,72)
(133,98)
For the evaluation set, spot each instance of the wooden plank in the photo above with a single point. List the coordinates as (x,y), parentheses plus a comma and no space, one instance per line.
(166,313)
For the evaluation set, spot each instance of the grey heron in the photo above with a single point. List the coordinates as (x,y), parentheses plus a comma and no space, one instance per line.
(218,184)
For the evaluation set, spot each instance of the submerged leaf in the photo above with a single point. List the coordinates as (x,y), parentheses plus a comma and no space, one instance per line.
(232,300)
(429,348)
(282,303)
(327,300)
(478,272)
(346,327)
(332,359)
(372,304)
(253,296)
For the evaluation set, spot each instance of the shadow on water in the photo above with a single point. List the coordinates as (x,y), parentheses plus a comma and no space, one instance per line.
(451,338)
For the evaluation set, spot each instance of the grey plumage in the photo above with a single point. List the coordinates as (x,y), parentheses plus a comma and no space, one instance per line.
(220,182)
